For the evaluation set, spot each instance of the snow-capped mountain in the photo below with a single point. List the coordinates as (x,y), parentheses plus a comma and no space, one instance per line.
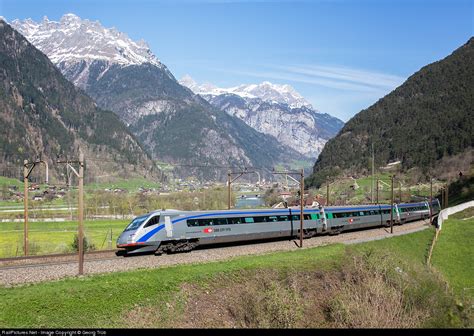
(172,123)
(276,110)
(266,91)
(80,44)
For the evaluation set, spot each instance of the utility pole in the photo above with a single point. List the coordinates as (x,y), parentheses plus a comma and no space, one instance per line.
(327,190)
(26,173)
(228,189)
(81,214)
(377,191)
(27,169)
(391,209)
(301,206)
(373,172)
(400,191)
(80,209)
(301,173)
(431,200)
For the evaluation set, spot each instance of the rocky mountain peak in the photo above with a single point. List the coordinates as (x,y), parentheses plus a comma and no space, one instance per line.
(266,91)
(71,39)
(273,109)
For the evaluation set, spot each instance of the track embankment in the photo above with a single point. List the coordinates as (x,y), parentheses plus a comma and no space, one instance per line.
(47,269)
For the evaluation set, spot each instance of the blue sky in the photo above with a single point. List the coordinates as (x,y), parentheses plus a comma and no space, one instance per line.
(341,55)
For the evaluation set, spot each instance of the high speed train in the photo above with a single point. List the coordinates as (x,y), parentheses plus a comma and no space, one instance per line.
(181,231)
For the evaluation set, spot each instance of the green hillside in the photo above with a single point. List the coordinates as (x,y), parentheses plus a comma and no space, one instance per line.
(429,117)
(41,113)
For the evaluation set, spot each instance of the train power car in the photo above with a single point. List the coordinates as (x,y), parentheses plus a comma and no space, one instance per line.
(180,231)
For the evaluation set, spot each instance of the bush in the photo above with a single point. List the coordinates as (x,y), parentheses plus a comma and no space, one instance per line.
(87,245)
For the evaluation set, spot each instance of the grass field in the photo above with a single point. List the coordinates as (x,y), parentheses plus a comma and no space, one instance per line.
(56,237)
(453,254)
(341,189)
(127,184)
(108,300)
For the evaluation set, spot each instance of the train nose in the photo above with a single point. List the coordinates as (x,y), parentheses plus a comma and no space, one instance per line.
(126,238)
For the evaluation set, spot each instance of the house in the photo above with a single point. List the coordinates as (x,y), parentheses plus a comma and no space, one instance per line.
(37,198)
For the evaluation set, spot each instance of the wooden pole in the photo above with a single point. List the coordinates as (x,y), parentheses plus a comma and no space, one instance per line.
(228,190)
(377,191)
(431,201)
(25,201)
(327,190)
(400,191)
(81,214)
(391,209)
(301,207)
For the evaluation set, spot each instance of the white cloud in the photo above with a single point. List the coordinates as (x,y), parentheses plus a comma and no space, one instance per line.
(340,91)
(334,77)
(347,75)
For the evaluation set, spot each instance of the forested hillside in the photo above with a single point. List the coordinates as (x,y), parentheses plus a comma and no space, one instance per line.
(428,117)
(42,114)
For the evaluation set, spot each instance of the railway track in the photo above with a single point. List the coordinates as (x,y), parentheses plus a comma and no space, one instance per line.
(63,257)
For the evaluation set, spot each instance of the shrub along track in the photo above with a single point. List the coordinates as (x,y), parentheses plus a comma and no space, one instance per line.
(55,269)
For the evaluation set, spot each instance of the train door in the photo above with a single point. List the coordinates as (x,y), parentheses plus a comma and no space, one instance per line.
(424,214)
(397,214)
(381,216)
(150,225)
(323,219)
(168,227)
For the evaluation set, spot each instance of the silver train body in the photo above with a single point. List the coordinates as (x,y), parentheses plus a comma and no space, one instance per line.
(181,231)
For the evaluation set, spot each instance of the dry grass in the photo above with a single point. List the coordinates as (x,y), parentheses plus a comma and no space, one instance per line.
(366,291)
(371,295)
(362,294)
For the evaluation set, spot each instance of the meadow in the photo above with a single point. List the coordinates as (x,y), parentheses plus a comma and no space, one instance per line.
(301,288)
(57,237)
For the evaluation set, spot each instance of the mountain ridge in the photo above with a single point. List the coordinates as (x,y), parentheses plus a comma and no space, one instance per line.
(427,118)
(42,114)
(276,110)
(157,108)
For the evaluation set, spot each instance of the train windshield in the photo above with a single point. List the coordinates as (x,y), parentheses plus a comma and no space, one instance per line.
(136,223)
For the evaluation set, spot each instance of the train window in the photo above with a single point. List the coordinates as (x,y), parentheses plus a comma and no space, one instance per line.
(295,217)
(136,223)
(307,216)
(329,215)
(259,219)
(314,216)
(248,219)
(192,222)
(152,221)
(206,221)
(282,218)
(236,220)
(272,218)
(221,221)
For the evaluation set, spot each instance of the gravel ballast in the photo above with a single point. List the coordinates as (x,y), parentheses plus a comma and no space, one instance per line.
(40,273)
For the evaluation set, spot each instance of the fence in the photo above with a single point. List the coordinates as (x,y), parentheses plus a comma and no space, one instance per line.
(443,215)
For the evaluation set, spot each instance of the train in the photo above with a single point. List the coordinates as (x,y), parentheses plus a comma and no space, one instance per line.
(170,231)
